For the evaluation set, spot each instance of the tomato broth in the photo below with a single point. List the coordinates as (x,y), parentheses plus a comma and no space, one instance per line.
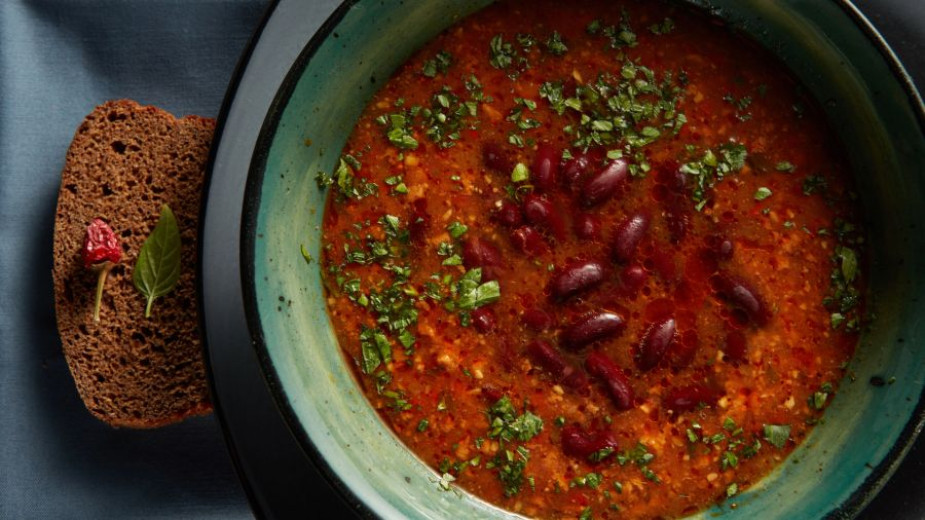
(594,260)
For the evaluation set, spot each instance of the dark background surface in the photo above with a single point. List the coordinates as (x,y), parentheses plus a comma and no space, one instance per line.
(58,59)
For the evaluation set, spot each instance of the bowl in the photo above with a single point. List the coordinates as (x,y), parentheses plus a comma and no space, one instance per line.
(259,292)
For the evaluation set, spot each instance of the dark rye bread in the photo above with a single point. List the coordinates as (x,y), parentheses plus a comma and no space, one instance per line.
(125,161)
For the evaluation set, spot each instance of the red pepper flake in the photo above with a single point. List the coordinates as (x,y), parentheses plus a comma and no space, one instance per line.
(100,252)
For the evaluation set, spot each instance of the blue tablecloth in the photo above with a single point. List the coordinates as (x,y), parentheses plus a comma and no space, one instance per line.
(59,59)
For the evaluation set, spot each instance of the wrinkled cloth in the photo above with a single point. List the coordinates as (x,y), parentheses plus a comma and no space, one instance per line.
(58,60)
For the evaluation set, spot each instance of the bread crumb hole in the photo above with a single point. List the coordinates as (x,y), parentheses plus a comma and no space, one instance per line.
(118,147)
(115,116)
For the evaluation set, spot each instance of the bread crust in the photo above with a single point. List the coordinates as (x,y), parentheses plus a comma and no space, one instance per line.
(124,162)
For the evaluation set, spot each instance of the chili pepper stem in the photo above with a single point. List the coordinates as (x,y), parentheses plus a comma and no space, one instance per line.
(104,269)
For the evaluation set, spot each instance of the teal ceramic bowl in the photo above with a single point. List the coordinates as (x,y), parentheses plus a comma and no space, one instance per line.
(829,46)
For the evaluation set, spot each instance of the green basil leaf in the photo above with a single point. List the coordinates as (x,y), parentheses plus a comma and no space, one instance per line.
(158,266)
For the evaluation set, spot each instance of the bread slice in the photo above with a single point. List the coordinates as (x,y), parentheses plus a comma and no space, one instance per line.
(125,161)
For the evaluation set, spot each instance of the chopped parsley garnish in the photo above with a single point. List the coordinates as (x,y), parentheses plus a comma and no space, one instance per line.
(508,427)
(345,181)
(632,109)
(641,457)
(438,64)
(845,296)
(664,27)
(777,434)
(741,105)
(305,254)
(814,184)
(375,349)
(619,36)
(441,121)
(555,45)
(591,480)
(732,490)
(511,466)
(762,193)
(501,53)
(521,173)
(820,397)
(712,167)
(457,229)
(785,166)
(397,184)
(399,131)
(477,296)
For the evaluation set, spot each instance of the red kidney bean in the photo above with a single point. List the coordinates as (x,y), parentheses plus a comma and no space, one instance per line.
(581,444)
(497,158)
(592,327)
(613,378)
(419,221)
(587,226)
(529,241)
(545,167)
(547,356)
(632,278)
(483,319)
(686,398)
(551,360)
(543,214)
(736,347)
(576,278)
(601,186)
(743,296)
(537,319)
(479,252)
(658,337)
(577,167)
(507,214)
(628,235)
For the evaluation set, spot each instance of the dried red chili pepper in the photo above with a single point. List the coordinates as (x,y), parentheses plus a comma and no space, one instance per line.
(100,252)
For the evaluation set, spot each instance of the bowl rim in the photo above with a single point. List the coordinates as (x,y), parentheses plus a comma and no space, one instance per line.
(255,172)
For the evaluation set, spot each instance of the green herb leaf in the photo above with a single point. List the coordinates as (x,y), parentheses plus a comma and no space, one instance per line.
(777,434)
(555,45)
(762,193)
(521,173)
(732,489)
(849,263)
(785,166)
(158,266)
(457,229)
(488,292)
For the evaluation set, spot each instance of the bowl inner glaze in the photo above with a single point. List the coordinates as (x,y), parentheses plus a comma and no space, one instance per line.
(867,428)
